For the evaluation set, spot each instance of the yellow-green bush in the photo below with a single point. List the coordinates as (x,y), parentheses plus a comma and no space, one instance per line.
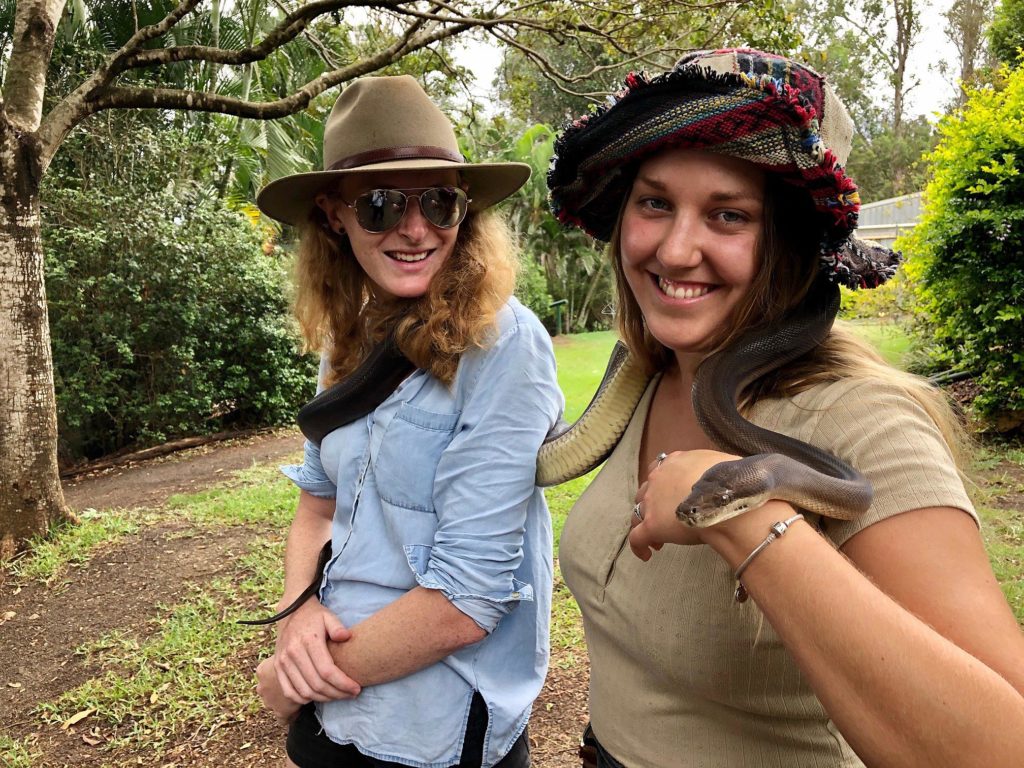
(969,245)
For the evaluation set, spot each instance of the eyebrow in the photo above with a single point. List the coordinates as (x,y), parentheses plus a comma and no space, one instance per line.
(717,196)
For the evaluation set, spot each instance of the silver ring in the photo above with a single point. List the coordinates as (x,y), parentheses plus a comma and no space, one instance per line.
(661,457)
(636,512)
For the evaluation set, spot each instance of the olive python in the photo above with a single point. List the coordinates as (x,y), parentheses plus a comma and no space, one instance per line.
(773,465)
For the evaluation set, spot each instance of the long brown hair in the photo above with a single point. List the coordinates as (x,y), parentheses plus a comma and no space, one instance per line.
(787,271)
(337,308)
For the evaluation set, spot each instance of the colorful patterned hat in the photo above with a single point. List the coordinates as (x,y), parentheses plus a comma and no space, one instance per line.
(760,107)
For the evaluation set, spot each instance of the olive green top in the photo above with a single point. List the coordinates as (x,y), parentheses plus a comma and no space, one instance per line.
(681,675)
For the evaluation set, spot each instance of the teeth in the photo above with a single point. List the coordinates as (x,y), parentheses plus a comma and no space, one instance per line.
(679,292)
(409,257)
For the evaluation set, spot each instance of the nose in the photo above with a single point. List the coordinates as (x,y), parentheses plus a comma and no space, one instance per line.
(413,224)
(683,242)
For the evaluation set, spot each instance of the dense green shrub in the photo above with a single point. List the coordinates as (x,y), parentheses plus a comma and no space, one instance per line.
(532,289)
(1006,33)
(572,265)
(969,246)
(167,319)
(892,302)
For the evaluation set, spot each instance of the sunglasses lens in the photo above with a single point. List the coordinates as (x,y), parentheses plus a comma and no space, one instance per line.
(444,207)
(380,209)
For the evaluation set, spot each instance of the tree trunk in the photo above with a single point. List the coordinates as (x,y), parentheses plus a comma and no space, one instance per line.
(31,498)
(907,27)
(595,279)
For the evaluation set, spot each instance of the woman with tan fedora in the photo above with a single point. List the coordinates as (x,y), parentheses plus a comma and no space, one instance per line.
(428,642)
(752,612)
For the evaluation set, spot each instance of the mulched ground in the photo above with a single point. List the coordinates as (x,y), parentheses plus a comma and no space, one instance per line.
(121,589)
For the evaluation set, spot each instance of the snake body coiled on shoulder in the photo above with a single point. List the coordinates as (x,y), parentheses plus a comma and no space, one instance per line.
(774,466)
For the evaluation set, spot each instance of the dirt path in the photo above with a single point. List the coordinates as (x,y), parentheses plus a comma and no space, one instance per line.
(151,483)
(122,587)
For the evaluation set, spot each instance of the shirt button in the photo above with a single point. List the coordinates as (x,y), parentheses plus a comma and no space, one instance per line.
(515,595)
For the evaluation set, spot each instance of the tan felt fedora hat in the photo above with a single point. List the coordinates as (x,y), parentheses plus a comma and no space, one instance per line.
(387,124)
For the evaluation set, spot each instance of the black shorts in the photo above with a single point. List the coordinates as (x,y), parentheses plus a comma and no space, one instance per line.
(309,747)
(597,756)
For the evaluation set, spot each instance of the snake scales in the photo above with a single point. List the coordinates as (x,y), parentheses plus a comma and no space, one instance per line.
(774,466)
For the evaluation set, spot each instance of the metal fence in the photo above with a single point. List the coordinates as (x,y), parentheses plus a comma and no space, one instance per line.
(883,221)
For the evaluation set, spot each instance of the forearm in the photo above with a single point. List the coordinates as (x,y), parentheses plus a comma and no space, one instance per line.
(417,630)
(310,529)
(900,693)
(302,667)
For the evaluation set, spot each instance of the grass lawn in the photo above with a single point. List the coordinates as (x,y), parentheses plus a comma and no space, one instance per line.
(889,339)
(582,358)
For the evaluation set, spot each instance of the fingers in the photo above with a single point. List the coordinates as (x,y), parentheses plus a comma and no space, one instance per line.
(312,673)
(270,691)
(337,631)
(641,491)
(639,542)
(285,684)
(657,461)
(305,666)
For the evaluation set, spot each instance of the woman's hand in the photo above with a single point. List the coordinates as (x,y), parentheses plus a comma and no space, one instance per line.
(304,667)
(669,481)
(270,691)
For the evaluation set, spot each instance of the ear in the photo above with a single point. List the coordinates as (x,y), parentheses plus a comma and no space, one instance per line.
(330,205)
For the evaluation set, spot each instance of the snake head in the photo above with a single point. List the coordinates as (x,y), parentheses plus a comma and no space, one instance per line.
(718,495)
(704,505)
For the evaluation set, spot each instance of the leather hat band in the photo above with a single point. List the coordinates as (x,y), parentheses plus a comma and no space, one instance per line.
(395,153)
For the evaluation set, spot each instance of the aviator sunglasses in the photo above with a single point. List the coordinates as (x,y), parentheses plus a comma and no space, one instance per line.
(379,210)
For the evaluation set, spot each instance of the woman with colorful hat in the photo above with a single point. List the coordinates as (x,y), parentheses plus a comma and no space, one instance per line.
(875,632)
(428,642)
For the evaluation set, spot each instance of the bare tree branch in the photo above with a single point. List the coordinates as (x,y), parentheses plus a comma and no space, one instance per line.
(287,30)
(872,38)
(559,79)
(166,98)
(84,100)
(314,41)
(424,25)
(155,30)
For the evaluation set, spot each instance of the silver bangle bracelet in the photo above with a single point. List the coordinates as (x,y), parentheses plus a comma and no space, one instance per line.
(778,529)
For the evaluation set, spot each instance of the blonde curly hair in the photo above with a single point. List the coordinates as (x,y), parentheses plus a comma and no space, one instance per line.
(338,311)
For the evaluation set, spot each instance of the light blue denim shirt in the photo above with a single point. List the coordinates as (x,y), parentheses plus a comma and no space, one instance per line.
(436,488)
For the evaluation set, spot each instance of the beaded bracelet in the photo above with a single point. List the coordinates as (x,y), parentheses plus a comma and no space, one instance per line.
(777,530)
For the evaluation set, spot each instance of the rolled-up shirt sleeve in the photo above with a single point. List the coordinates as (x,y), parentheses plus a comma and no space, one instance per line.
(485,483)
(309,475)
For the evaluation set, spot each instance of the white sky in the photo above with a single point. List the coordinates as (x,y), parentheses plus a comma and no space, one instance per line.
(930,96)
(932,45)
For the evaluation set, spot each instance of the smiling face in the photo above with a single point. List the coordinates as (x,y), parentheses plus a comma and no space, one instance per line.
(402,261)
(689,242)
